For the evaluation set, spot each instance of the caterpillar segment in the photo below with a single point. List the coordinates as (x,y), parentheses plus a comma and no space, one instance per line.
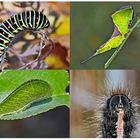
(30,20)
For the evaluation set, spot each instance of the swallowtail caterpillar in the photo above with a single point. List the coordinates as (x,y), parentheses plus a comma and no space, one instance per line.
(27,20)
(121,19)
(36,90)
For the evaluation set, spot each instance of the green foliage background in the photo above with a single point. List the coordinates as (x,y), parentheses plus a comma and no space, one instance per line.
(91,26)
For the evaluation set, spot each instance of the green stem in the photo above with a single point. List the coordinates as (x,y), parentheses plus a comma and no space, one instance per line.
(121,46)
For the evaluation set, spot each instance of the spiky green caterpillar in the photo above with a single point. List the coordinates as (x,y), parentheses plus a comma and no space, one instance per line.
(121,20)
(24,96)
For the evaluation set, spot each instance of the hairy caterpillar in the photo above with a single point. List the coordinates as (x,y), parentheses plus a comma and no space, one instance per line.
(108,108)
(32,20)
(118,116)
(23,96)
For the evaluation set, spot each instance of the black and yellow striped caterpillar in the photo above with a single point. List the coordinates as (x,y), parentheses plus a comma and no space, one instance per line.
(32,20)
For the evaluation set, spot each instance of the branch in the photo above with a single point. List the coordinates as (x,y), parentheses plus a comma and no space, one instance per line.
(121,46)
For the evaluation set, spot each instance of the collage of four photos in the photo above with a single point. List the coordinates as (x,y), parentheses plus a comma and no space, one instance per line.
(69,69)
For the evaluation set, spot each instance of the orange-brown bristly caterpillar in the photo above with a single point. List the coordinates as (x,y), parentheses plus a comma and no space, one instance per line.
(119,115)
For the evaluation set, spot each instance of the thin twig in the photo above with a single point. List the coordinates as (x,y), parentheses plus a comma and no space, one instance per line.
(42,45)
(121,46)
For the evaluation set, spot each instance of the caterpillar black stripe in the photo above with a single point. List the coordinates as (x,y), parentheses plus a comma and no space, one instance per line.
(32,20)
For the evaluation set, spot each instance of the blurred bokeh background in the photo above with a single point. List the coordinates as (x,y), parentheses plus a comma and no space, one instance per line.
(52,124)
(26,44)
(87,87)
(91,26)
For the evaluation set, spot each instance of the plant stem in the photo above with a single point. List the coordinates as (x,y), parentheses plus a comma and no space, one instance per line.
(121,46)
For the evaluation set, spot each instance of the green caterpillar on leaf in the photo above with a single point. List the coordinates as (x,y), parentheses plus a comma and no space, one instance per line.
(121,19)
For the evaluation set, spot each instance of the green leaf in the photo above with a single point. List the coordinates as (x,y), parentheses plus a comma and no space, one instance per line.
(27,93)
(121,20)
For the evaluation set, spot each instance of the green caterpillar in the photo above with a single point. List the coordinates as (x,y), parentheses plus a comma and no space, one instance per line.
(121,19)
(18,101)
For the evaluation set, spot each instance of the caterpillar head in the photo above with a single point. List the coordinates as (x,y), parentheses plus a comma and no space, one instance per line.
(118,103)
